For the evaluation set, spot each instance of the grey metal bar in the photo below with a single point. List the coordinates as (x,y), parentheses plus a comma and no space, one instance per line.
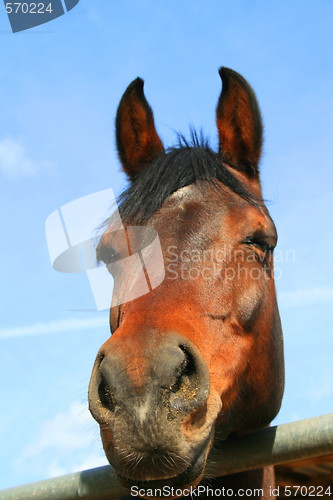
(274,445)
(307,438)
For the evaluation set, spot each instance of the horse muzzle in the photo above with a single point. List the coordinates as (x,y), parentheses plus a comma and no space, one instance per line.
(154,408)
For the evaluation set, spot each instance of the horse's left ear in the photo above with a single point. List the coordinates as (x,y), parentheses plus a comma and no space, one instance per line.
(137,140)
(239,124)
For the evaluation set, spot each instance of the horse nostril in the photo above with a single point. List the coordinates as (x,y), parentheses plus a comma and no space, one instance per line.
(188,365)
(184,372)
(105,395)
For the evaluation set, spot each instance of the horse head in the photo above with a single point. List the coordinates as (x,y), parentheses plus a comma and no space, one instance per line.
(199,356)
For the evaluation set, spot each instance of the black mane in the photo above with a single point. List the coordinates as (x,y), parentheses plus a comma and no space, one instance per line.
(177,167)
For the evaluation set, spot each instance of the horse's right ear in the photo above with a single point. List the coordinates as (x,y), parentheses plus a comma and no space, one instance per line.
(137,140)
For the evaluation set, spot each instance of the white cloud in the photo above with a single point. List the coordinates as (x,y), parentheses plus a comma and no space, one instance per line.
(54,327)
(15,161)
(55,468)
(68,442)
(322,388)
(304,297)
(64,431)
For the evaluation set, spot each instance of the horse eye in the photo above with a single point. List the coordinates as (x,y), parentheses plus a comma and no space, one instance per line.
(106,254)
(260,243)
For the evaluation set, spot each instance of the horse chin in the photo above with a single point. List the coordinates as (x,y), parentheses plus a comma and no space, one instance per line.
(171,486)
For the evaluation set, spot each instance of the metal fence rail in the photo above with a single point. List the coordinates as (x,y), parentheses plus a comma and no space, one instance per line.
(275,445)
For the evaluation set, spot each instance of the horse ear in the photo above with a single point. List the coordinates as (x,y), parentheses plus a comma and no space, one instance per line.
(136,136)
(239,124)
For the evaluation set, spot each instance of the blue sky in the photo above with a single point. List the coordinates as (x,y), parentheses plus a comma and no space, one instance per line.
(60,85)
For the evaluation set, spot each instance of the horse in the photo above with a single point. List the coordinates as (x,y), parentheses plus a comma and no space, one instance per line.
(199,357)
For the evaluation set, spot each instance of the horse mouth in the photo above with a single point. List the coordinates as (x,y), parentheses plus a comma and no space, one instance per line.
(191,476)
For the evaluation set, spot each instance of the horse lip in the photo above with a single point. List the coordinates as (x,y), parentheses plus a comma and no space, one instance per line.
(193,472)
(186,477)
